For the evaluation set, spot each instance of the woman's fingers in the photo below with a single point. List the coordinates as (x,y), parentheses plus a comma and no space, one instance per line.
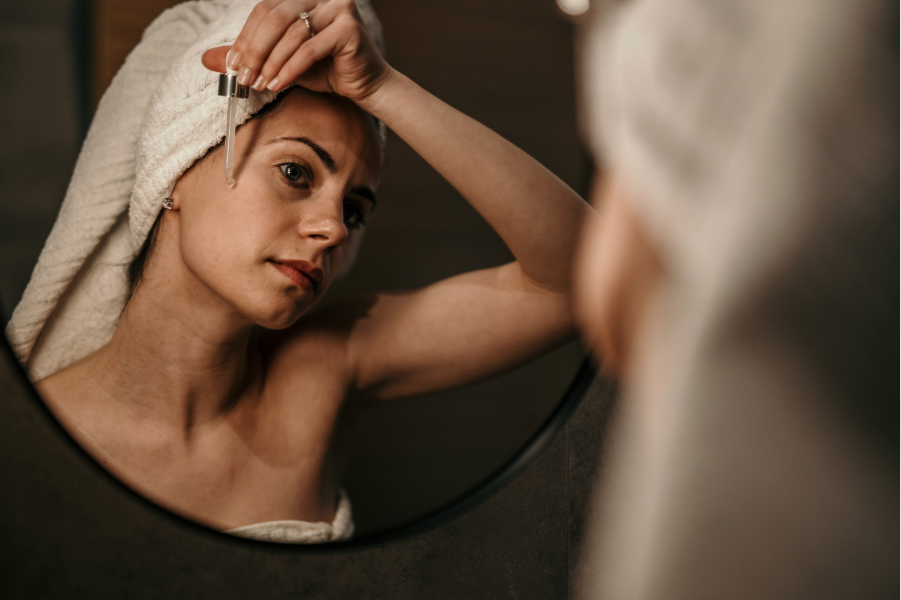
(269,32)
(259,12)
(294,36)
(277,48)
(298,33)
(214,58)
(325,44)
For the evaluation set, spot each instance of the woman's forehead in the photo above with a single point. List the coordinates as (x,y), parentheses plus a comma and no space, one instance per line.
(320,110)
(329,120)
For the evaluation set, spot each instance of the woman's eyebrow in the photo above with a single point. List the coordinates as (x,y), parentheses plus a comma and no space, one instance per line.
(323,155)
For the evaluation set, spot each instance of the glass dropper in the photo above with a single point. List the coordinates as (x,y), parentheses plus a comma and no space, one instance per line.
(228,86)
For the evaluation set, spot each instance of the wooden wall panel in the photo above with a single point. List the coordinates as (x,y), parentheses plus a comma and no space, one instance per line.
(117,27)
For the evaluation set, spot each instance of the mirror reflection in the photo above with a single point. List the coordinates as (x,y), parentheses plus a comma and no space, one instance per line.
(239,354)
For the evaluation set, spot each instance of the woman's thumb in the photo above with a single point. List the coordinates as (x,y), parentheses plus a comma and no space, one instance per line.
(214,58)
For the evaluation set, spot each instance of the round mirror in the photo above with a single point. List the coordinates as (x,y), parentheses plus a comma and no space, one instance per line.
(507,64)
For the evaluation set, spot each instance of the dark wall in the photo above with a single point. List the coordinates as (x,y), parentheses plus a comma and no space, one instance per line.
(39,129)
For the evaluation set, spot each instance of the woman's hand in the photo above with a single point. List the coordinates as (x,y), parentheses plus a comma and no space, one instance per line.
(275,49)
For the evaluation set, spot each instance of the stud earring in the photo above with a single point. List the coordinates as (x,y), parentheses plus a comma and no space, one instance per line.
(167,203)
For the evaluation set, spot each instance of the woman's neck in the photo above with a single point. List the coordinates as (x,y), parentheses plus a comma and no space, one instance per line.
(179,355)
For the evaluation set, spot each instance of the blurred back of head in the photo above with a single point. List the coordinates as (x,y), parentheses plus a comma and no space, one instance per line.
(756,454)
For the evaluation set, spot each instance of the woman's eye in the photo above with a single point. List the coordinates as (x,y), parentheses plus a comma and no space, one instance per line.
(354,217)
(293,172)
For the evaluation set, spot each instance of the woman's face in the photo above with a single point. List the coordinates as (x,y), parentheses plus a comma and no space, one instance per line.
(305,178)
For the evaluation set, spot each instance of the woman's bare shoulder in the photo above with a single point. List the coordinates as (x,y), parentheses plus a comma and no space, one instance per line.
(74,399)
(68,384)
(315,349)
(48,387)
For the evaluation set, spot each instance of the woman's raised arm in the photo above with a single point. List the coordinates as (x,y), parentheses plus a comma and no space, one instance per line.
(537,215)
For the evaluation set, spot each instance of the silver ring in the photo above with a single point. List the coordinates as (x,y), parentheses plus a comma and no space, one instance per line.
(167,203)
(306,19)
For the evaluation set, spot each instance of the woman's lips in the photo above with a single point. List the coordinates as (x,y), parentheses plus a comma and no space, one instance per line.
(304,274)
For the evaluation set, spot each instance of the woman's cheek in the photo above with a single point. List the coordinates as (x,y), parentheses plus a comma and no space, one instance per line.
(217,245)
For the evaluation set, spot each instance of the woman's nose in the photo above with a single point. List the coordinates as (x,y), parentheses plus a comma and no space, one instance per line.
(324,223)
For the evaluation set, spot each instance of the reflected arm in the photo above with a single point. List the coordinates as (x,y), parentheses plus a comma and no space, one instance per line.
(537,215)
(477,324)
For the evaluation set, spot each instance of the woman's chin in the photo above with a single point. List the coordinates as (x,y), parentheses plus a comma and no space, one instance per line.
(281,316)
(276,324)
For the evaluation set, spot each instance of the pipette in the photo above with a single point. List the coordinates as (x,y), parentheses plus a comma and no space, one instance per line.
(228,86)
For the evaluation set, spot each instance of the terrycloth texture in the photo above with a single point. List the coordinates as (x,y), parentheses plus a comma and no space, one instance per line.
(303,532)
(160,114)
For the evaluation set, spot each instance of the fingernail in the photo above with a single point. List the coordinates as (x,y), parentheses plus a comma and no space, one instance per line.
(232,59)
(244,76)
(273,84)
(258,84)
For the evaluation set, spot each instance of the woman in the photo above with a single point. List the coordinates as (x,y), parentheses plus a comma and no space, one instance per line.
(213,395)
